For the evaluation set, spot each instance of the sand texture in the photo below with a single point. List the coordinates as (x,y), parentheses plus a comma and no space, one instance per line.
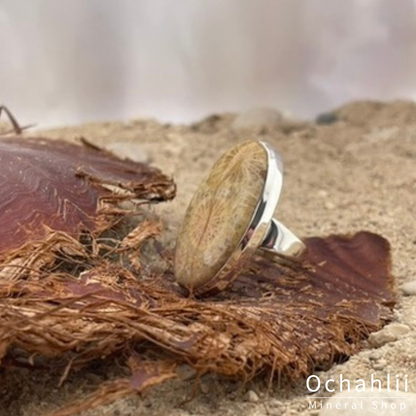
(356,170)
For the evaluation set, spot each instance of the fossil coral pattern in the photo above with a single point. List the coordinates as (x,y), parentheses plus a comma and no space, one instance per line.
(220,213)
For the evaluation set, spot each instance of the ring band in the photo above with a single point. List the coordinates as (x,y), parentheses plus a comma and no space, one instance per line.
(281,240)
(230,217)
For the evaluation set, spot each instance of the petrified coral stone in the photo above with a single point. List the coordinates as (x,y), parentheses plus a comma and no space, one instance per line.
(220,213)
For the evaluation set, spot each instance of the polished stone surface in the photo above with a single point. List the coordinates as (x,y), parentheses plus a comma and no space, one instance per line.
(220,213)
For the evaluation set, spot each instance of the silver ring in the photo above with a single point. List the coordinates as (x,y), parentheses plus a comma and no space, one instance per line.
(230,217)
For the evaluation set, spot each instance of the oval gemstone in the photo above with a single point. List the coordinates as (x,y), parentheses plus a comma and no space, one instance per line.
(220,213)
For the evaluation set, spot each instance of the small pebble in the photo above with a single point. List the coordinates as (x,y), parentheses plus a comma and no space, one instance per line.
(380,338)
(257,119)
(326,118)
(409,288)
(329,205)
(186,372)
(251,396)
(398,329)
(380,365)
(204,388)
(389,333)
(275,403)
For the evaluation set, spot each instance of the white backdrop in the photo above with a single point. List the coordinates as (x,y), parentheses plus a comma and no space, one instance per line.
(67,61)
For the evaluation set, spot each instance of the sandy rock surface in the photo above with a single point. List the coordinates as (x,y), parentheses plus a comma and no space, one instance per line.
(355,172)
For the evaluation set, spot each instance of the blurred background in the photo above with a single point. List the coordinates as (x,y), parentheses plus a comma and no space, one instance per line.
(66,62)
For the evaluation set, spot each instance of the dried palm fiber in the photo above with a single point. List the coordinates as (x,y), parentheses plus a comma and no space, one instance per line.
(287,319)
(53,192)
